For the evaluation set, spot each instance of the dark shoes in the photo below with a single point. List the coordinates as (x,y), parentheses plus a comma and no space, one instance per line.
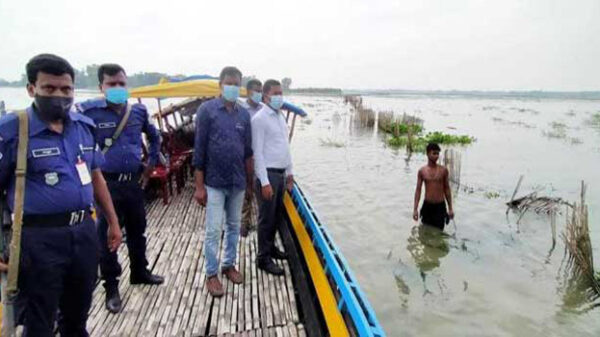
(278,255)
(214,286)
(271,268)
(113,300)
(145,277)
(233,275)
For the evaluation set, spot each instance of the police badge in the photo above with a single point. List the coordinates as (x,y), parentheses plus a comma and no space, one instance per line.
(51,178)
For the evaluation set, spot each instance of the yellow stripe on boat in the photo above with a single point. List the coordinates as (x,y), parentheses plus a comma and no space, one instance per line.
(333,318)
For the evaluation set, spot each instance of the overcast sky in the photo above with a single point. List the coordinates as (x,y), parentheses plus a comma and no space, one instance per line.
(370,44)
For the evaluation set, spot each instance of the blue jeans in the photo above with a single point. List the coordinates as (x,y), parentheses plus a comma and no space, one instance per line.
(222,204)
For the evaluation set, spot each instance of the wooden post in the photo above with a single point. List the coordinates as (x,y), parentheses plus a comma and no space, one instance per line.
(2,109)
(160,121)
(292,128)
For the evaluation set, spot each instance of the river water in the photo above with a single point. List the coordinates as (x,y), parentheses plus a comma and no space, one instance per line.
(488,276)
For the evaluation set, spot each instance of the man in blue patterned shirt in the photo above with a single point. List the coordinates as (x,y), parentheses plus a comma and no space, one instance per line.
(224,169)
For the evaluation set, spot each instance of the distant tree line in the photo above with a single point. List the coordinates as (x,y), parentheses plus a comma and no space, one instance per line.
(87,78)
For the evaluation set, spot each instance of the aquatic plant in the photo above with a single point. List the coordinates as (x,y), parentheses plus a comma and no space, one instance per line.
(575,140)
(419,143)
(595,120)
(558,125)
(399,126)
(331,143)
(443,138)
(580,262)
(492,194)
(558,131)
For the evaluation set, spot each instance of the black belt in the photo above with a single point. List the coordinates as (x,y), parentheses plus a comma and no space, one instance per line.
(57,219)
(121,177)
(276,170)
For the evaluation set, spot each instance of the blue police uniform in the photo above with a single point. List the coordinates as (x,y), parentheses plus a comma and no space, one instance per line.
(59,247)
(122,170)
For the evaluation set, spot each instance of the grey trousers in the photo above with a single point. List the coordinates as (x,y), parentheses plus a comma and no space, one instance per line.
(270,215)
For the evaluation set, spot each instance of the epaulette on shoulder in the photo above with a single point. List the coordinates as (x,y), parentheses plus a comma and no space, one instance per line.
(82,118)
(9,126)
(90,104)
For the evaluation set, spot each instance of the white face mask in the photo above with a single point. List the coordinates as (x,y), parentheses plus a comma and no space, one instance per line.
(276,102)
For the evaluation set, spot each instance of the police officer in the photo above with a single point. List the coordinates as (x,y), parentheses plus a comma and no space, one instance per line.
(125,175)
(59,247)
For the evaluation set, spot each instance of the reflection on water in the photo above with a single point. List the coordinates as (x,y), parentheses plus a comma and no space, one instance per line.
(427,245)
(485,278)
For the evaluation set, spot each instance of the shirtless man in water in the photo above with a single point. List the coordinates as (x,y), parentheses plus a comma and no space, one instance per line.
(437,191)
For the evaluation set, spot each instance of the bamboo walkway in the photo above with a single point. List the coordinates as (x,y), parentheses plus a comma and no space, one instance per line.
(263,305)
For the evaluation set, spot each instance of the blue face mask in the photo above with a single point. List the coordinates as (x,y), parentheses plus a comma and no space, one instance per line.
(231,92)
(276,102)
(256,97)
(117,95)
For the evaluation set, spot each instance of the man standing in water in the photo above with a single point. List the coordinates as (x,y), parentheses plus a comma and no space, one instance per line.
(59,242)
(119,133)
(223,162)
(437,191)
(253,105)
(273,166)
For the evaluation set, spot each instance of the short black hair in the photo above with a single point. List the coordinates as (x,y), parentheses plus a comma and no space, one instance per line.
(110,69)
(269,84)
(50,64)
(433,147)
(253,82)
(229,71)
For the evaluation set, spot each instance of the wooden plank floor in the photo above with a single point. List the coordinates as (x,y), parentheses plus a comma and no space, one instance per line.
(262,306)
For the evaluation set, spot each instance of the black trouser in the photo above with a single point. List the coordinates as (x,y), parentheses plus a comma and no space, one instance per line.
(58,270)
(128,199)
(434,214)
(270,214)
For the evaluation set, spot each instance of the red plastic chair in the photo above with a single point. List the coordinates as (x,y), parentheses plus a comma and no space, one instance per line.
(163,175)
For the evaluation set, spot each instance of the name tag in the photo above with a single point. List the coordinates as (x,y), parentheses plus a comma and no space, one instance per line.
(86,148)
(107,125)
(47,152)
(83,172)
(239,126)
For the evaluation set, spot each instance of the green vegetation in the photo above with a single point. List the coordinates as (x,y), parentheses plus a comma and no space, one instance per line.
(595,120)
(401,128)
(558,131)
(418,143)
(87,78)
(443,138)
(315,91)
(331,143)
(492,195)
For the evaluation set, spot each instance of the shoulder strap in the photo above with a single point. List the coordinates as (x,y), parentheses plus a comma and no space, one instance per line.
(119,129)
(15,242)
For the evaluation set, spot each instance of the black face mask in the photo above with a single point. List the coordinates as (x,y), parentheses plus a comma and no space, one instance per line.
(52,108)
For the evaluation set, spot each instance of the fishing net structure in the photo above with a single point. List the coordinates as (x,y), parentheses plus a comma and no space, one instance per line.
(452,161)
(579,267)
(365,116)
(578,274)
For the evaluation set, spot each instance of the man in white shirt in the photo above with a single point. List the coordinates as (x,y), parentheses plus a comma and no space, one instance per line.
(253,103)
(273,168)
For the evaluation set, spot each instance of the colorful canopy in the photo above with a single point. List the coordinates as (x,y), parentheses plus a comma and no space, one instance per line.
(195,88)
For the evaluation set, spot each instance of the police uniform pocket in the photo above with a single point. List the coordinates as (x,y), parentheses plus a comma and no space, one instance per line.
(133,132)
(88,152)
(44,159)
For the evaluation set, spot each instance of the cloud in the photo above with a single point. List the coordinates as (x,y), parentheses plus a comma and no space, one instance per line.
(428,44)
